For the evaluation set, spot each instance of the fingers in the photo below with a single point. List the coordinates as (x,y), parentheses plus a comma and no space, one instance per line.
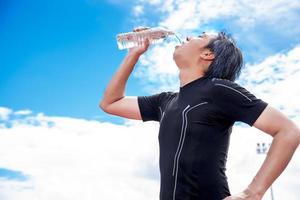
(147,43)
(229,198)
(143,43)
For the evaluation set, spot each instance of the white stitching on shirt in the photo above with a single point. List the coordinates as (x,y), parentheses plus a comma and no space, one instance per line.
(181,134)
(234,90)
(180,145)
(162,114)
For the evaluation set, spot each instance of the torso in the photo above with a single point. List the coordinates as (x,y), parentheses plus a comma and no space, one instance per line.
(193,145)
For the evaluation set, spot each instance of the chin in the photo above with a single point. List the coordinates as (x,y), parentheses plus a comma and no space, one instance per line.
(178,64)
(177,59)
(176,55)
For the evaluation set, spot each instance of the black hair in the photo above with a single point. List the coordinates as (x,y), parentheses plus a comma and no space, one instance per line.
(228,60)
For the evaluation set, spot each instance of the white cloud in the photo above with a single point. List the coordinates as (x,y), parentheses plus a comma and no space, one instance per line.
(80,159)
(4,113)
(15,190)
(276,79)
(243,163)
(23,112)
(190,14)
(158,68)
(186,17)
(138,10)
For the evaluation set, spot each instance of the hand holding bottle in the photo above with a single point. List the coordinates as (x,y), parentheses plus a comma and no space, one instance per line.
(140,35)
(142,47)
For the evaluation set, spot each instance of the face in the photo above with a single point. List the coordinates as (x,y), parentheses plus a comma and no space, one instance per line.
(189,52)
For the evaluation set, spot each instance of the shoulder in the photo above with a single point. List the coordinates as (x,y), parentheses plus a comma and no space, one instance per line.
(222,88)
(158,98)
(218,82)
(222,85)
(166,96)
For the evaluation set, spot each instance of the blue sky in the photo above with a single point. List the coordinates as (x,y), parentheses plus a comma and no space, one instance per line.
(10,174)
(56,58)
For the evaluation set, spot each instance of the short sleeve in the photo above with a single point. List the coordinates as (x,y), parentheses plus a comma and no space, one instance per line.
(150,106)
(236,103)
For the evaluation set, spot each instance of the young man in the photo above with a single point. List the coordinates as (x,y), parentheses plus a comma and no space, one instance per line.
(196,122)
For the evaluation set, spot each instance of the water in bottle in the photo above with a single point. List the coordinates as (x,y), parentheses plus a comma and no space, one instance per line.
(136,38)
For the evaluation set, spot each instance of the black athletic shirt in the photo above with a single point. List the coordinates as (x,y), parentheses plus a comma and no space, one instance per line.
(195,127)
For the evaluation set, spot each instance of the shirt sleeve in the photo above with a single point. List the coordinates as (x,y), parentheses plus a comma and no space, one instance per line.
(150,106)
(236,103)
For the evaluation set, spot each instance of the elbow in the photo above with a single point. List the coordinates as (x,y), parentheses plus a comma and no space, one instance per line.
(296,134)
(293,135)
(103,106)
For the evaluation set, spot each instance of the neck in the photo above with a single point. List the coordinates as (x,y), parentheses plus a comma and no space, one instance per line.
(188,75)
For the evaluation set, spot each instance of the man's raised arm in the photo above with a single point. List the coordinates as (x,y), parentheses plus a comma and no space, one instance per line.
(114,100)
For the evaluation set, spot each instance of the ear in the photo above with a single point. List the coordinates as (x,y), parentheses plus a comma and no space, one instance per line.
(207,55)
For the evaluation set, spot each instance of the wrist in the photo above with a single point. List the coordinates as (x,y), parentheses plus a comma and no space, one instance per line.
(134,54)
(254,193)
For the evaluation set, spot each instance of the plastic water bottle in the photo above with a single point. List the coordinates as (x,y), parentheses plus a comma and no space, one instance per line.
(136,38)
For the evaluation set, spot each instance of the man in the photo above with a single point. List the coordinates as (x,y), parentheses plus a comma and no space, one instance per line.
(196,122)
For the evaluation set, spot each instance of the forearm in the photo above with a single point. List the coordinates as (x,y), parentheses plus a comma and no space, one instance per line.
(116,87)
(284,144)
